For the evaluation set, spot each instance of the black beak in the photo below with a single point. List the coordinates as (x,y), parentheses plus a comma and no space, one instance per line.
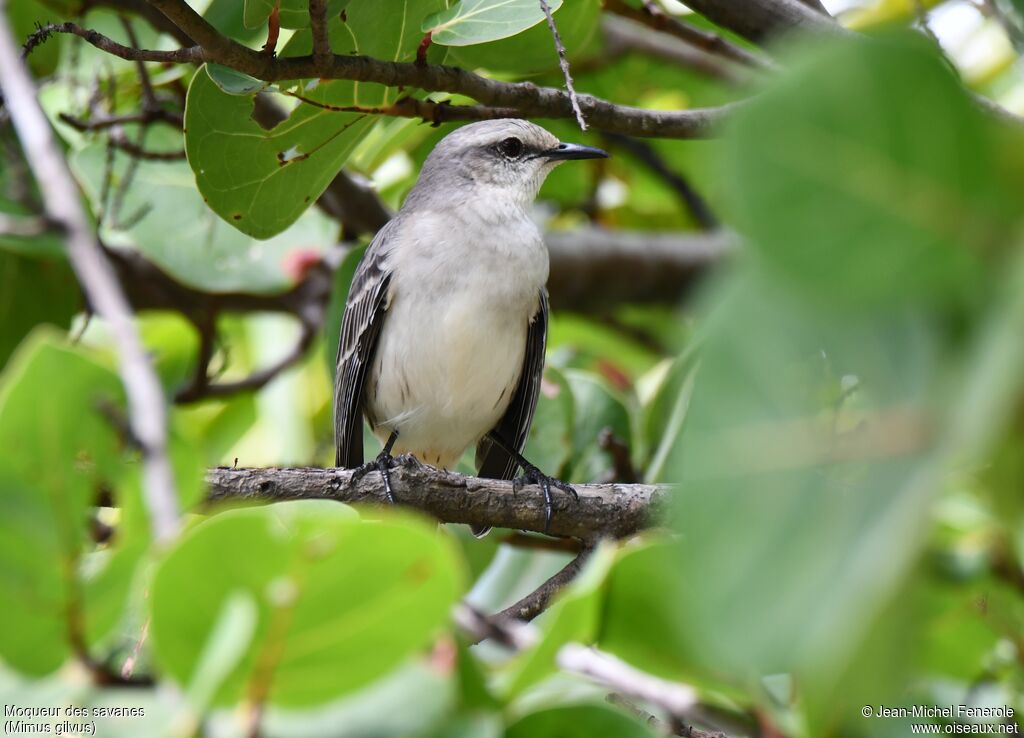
(566,151)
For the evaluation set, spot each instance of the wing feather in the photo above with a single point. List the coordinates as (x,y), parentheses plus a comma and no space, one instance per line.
(365,311)
(493,461)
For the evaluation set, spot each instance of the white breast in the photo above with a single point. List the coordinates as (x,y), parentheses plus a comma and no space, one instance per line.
(451,349)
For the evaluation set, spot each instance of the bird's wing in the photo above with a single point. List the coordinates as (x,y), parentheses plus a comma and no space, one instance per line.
(365,309)
(493,461)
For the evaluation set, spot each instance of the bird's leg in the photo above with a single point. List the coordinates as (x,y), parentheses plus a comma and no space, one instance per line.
(383,463)
(532,475)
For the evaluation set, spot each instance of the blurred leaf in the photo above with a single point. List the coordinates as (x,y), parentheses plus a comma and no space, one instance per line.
(24,15)
(172,344)
(862,193)
(550,443)
(474,694)
(33,290)
(578,721)
(226,644)
(45,493)
(666,414)
(411,700)
(322,600)
(837,483)
(596,407)
(573,617)
(164,218)
(478,21)
(472,725)
(639,621)
(600,347)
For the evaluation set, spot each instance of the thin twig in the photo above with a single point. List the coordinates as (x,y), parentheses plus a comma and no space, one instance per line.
(144,117)
(563,62)
(120,141)
(257,380)
(148,412)
(538,600)
(149,101)
(676,699)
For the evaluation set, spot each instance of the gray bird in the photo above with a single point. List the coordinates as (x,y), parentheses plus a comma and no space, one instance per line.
(445,327)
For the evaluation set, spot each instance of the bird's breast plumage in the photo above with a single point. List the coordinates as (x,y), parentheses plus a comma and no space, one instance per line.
(452,346)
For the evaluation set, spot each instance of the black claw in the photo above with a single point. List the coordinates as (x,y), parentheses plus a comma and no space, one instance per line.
(533,475)
(384,463)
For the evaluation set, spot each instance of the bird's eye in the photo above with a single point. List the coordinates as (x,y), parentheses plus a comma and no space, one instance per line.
(511,147)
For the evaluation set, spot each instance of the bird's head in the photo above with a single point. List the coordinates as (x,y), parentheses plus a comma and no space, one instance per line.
(507,157)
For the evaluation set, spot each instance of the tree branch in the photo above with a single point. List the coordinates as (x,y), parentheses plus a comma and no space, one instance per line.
(623,35)
(592,269)
(148,413)
(762,20)
(657,19)
(538,600)
(525,98)
(614,510)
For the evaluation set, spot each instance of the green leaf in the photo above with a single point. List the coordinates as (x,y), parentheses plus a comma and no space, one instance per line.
(45,493)
(639,623)
(857,190)
(550,443)
(33,291)
(578,721)
(596,407)
(666,413)
(479,21)
(261,180)
(227,643)
(164,218)
(533,51)
(234,82)
(341,602)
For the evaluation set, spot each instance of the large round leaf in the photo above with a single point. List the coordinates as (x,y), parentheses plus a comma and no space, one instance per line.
(865,171)
(340,601)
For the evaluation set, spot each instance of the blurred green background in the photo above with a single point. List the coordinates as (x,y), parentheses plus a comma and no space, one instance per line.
(839,400)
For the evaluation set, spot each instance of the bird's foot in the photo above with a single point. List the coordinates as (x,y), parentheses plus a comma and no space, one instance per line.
(533,475)
(384,463)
